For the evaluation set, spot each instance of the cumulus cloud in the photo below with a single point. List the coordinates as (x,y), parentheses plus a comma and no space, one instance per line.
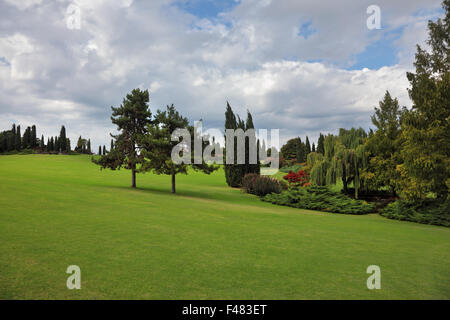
(252,55)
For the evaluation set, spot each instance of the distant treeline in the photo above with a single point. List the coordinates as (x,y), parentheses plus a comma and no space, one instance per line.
(12,141)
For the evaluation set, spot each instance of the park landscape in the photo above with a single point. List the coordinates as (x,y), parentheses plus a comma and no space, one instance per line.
(141,225)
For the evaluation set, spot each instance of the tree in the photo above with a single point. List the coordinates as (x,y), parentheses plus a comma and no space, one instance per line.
(426,127)
(18,141)
(291,149)
(99,150)
(158,146)
(52,144)
(104,150)
(308,146)
(112,144)
(42,143)
(33,137)
(88,147)
(234,172)
(62,140)
(57,146)
(68,147)
(383,146)
(48,145)
(313,148)
(320,147)
(345,159)
(131,118)
(251,140)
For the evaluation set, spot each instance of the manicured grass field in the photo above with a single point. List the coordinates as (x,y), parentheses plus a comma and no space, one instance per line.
(206,242)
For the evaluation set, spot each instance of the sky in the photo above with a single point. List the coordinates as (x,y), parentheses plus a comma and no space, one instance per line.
(302,66)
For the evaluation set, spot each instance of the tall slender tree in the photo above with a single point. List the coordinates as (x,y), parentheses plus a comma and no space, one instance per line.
(62,140)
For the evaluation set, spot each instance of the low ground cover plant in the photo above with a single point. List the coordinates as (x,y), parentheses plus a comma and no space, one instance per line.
(320,198)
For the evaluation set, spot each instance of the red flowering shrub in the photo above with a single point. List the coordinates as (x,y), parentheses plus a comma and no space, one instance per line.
(301,178)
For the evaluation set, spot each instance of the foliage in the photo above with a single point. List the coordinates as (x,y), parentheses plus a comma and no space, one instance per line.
(427,212)
(158,145)
(426,127)
(301,178)
(261,185)
(294,167)
(320,198)
(131,118)
(234,172)
(384,146)
(344,158)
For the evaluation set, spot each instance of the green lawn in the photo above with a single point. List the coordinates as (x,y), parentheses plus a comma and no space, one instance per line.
(206,242)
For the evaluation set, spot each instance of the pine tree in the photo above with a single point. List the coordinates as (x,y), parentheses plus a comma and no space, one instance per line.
(158,146)
(131,118)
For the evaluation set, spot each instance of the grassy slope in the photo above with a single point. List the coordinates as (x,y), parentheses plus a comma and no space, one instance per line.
(206,242)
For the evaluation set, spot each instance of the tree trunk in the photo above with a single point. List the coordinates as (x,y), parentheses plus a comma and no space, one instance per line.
(133,178)
(344,181)
(173,182)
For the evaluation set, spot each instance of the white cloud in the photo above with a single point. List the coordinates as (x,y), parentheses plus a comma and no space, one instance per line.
(249,56)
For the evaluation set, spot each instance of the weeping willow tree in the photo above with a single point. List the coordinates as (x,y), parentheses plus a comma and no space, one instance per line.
(344,158)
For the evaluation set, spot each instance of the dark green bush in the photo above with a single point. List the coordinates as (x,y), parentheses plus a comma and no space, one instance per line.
(261,185)
(320,198)
(427,212)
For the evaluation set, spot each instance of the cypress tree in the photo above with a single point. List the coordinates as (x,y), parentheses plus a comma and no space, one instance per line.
(48,145)
(250,168)
(308,146)
(320,146)
(52,145)
(112,145)
(41,144)
(68,147)
(99,150)
(313,148)
(104,150)
(57,144)
(233,171)
(33,137)
(62,139)
(18,141)
(88,147)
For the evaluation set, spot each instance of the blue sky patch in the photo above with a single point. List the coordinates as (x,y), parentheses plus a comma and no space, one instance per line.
(206,9)
(306,30)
